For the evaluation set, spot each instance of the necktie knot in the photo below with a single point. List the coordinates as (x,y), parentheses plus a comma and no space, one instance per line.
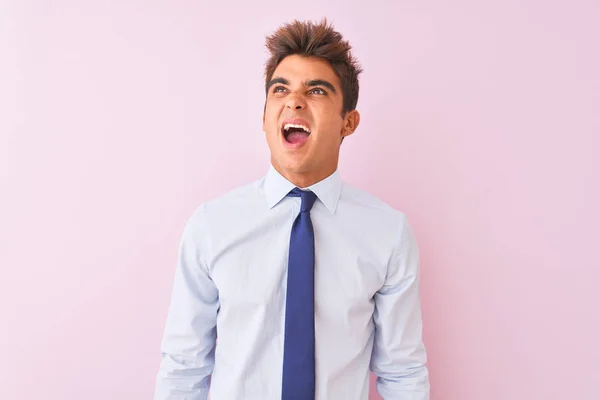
(308,198)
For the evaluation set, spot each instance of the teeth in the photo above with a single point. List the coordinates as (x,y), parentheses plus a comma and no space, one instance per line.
(288,126)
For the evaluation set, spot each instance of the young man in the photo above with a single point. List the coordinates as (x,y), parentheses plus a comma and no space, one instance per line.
(307,282)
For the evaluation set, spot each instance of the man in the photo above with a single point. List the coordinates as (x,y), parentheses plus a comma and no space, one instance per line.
(307,282)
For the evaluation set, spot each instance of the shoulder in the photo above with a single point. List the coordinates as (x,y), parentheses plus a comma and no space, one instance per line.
(362,201)
(375,218)
(222,208)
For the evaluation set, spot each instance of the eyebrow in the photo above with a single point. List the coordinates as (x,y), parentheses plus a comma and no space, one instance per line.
(314,82)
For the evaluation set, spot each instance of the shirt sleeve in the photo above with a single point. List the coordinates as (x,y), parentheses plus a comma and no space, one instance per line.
(189,338)
(399,356)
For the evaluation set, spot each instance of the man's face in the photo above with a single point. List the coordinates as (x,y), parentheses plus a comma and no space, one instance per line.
(303,119)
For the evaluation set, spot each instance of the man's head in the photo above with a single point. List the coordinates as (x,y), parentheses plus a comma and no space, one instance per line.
(311,82)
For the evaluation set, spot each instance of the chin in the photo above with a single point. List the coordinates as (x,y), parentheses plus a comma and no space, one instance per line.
(295,166)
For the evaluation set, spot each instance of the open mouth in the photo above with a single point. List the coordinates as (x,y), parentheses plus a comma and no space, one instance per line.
(295,132)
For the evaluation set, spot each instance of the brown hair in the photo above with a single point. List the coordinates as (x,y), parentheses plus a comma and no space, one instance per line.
(317,40)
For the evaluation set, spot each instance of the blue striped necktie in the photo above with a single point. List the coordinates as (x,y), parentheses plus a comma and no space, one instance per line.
(298,381)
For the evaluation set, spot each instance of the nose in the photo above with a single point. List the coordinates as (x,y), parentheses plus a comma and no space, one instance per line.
(295,102)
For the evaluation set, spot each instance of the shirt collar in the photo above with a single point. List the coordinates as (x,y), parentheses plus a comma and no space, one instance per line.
(327,190)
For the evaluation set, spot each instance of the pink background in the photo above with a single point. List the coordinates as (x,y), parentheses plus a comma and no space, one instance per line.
(480,120)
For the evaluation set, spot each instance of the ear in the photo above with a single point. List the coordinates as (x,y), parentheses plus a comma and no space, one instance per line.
(351,122)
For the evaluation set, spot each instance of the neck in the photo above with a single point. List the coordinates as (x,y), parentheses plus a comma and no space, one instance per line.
(305,179)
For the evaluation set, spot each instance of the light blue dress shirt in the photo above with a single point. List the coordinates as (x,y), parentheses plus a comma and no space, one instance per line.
(230,283)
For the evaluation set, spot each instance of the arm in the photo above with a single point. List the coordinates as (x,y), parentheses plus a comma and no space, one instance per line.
(399,355)
(190,334)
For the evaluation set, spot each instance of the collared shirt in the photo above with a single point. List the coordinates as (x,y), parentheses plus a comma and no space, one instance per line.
(230,283)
